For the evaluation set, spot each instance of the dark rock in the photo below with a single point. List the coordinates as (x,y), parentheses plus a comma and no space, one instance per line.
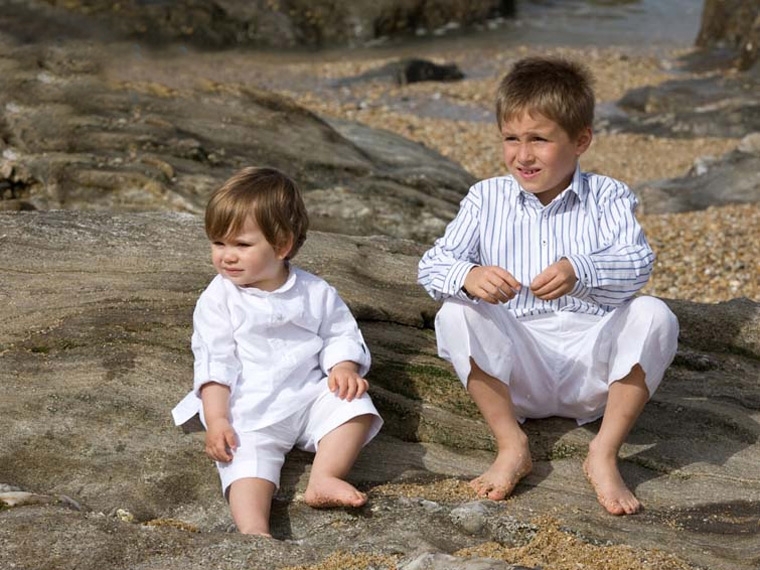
(416,70)
(286,23)
(406,71)
(734,24)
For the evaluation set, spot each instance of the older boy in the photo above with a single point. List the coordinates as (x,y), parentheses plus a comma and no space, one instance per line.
(279,360)
(538,273)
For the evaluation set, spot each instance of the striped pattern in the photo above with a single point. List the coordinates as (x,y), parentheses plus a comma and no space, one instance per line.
(592,224)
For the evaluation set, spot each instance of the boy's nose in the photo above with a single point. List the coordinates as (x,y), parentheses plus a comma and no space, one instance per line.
(525,153)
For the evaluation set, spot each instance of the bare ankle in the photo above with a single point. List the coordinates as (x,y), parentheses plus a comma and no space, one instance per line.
(254,530)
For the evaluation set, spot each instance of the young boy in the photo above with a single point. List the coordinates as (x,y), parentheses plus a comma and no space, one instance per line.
(537,274)
(279,359)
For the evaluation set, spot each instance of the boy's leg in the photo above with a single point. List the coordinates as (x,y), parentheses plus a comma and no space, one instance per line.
(250,503)
(625,403)
(513,460)
(335,456)
(643,335)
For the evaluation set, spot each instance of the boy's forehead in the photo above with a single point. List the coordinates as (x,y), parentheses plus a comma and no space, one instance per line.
(527,118)
(244,225)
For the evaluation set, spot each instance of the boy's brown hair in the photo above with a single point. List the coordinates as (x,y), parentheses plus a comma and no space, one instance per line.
(559,89)
(272,198)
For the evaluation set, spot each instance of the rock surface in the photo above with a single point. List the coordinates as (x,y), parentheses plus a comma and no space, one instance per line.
(732,24)
(72,139)
(282,23)
(96,309)
(94,353)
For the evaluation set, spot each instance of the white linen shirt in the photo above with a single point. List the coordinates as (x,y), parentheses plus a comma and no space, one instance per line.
(591,223)
(273,349)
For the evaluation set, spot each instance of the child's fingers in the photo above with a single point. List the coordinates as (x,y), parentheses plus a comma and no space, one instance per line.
(341,391)
(351,390)
(362,387)
(230,440)
(331,382)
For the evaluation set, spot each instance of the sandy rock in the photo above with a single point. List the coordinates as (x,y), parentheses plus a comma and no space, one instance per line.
(94,350)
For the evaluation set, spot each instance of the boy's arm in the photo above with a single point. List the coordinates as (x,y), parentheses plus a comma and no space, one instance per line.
(444,267)
(213,342)
(220,437)
(342,339)
(621,267)
(216,368)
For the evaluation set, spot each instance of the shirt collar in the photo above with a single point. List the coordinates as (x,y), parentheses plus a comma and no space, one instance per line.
(577,186)
(289,283)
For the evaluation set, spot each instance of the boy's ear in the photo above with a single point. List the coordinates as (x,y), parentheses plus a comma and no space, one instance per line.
(283,250)
(583,141)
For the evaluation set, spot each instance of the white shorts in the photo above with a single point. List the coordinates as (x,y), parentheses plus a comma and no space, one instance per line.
(559,364)
(261,453)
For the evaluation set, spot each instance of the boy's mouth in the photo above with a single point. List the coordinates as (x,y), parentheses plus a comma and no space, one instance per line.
(529,172)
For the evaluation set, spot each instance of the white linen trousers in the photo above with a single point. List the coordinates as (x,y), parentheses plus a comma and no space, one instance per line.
(562,363)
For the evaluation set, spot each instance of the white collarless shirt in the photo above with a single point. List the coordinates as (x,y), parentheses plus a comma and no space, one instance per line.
(591,223)
(273,349)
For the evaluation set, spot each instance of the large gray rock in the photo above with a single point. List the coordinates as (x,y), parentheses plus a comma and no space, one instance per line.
(713,181)
(94,336)
(72,138)
(723,105)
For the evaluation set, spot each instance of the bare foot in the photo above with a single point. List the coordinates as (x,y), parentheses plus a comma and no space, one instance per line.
(504,474)
(255,531)
(332,492)
(611,491)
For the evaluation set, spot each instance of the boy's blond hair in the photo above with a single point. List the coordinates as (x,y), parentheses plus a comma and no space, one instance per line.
(559,89)
(270,197)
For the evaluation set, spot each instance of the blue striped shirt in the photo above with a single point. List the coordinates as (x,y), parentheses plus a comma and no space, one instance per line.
(591,223)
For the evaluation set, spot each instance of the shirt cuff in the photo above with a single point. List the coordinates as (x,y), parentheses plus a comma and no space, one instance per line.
(455,279)
(214,372)
(346,350)
(585,274)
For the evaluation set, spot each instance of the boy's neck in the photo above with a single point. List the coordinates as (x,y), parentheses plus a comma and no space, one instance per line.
(274,282)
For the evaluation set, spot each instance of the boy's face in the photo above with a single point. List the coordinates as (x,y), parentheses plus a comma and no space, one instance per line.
(249,260)
(540,154)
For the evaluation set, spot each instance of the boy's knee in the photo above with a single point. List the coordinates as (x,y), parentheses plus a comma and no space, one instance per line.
(660,321)
(658,311)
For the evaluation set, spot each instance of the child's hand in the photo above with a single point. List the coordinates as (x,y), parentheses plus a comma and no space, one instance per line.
(344,380)
(220,440)
(556,280)
(491,283)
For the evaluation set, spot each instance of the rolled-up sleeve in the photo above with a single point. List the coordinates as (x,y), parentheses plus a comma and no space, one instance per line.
(341,336)
(213,343)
